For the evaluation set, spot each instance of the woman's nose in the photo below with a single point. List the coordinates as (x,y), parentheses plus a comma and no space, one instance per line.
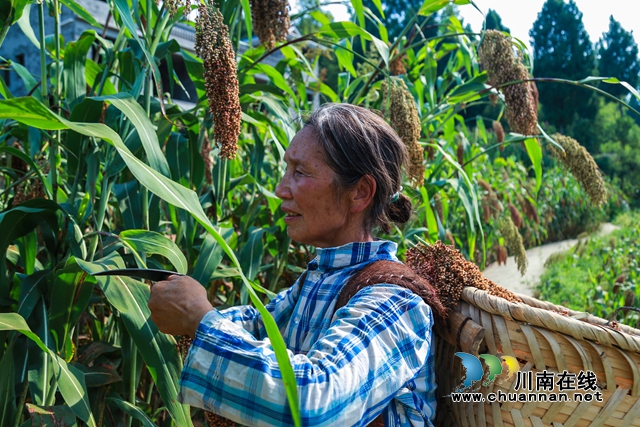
(282,189)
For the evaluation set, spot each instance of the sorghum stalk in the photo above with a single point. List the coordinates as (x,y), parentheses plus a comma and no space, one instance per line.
(221,82)
(582,166)
(404,118)
(497,57)
(270,20)
(513,241)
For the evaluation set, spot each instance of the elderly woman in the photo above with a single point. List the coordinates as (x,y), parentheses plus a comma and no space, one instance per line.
(370,361)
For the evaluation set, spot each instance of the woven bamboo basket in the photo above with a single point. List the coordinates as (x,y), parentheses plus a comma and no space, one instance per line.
(542,336)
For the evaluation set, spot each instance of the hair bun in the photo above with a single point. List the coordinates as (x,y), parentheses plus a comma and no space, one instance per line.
(400,210)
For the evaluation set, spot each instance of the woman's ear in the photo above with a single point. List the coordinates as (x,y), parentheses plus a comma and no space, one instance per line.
(362,194)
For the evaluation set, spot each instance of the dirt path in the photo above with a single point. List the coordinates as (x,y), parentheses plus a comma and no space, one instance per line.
(508,276)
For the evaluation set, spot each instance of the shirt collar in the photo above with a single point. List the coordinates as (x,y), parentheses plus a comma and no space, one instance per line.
(353,253)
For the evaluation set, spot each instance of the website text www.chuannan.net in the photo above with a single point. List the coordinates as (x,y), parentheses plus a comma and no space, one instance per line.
(501,397)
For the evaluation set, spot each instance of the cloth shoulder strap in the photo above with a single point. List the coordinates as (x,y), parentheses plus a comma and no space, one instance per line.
(391,272)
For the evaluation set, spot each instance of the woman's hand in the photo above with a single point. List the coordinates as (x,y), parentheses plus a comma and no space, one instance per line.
(178,304)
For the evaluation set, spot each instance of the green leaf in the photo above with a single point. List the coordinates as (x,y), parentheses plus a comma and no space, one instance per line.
(382,48)
(100,374)
(253,88)
(21,220)
(31,290)
(72,289)
(29,81)
(70,380)
(74,391)
(75,55)
(134,112)
(129,203)
(8,410)
(277,79)
(251,253)
(158,350)
(246,10)
(24,110)
(463,195)
(466,190)
(343,30)
(51,416)
(125,15)
(461,92)
(28,247)
(210,256)
(81,12)
(40,370)
(132,411)
(345,56)
(359,9)
(535,154)
(11,11)
(25,26)
(150,242)
(432,224)
(430,6)
(31,112)
(32,165)
(92,72)
(4,89)
(378,4)
(321,17)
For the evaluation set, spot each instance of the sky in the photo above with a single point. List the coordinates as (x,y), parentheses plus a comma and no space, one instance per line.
(519,15)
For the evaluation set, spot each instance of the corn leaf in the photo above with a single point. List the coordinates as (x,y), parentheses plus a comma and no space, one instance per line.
(535,154)
(70,380)
(150,242)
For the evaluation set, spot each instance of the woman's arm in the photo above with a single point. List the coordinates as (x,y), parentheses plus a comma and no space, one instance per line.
(376,344)
(250,319)
(179,303)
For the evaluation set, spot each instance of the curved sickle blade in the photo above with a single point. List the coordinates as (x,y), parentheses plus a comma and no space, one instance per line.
(141,273)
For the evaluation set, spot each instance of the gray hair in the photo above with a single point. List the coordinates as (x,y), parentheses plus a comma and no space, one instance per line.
(358,142)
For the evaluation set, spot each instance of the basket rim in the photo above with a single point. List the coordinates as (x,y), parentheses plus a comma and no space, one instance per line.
(582,326)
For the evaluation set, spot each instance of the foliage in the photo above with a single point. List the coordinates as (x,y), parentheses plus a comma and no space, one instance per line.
(394,15)
(599,275)
(560,210)
(562,49)
(618,57)
(100,168)
(619,145)
(494,22)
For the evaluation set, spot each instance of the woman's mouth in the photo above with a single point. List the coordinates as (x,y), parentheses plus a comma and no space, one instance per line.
(291,216)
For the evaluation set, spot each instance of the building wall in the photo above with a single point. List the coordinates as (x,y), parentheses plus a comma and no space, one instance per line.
(17,47)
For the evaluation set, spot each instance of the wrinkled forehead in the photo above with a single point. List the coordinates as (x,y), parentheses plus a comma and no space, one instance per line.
(304,147)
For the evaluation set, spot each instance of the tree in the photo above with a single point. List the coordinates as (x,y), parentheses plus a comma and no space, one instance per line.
(618,57)
(494,22)
(618,139)
(562,49)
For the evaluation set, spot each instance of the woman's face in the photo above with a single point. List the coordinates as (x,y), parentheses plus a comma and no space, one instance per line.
(313,214)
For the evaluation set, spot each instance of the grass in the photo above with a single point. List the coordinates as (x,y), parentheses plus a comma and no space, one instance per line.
(599,274)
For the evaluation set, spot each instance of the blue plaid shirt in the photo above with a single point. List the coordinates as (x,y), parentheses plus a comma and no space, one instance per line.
(373,356)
